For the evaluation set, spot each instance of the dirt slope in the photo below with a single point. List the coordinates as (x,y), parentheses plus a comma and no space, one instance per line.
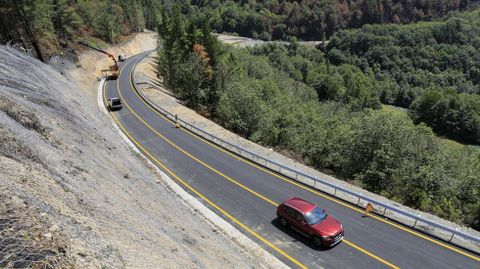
(74,193)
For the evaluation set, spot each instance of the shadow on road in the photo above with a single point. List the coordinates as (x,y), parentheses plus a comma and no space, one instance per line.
(297,237)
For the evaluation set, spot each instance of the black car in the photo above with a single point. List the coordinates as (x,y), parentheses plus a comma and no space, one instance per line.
(114,104)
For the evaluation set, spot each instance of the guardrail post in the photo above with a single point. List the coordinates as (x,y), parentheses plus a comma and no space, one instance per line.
(384,211)
(451,238)
(416,220)
(335,191)
(358,200)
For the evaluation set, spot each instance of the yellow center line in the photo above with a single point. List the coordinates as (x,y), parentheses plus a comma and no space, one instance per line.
(220,209)
(309,189)
(229,178)
(190,155)
(370,254)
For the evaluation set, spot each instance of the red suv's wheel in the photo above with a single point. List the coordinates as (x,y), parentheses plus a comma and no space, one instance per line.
(283,222)
(317,241)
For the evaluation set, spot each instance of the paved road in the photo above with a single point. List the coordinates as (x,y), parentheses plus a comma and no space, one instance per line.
(246,195)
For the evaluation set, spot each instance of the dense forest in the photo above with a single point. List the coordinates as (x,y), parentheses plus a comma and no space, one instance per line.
(48,26)
(311,19)
(431,67)
(326,113)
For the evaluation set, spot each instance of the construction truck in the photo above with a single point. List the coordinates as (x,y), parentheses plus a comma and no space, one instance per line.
(112,72)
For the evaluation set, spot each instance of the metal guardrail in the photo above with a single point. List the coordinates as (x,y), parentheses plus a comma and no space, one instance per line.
(300,176)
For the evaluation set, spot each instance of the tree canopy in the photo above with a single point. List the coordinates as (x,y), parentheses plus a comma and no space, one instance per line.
(432,67)
(310,19)
(328,114)
(50,25)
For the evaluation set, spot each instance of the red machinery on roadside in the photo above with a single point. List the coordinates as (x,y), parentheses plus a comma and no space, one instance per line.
(112,72)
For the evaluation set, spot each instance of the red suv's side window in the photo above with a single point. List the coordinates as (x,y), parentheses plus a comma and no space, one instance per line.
(294,213)
(298,216)
(290,211)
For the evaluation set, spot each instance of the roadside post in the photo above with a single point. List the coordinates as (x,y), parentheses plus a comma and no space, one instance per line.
(176,121)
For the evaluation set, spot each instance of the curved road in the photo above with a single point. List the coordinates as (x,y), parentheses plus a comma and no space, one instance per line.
(246,195)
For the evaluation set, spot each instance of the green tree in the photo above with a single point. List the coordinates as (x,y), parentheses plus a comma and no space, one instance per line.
(449,113)
(191,80)
(65,18)
(240,108)
(87,10)
(108,22)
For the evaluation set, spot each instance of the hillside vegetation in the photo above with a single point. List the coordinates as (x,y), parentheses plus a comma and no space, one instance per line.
(311,19)
(431,67)
(434,68)
(48,26)
(324,112)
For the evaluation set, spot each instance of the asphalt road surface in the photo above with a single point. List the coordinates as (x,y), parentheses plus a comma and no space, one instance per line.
(246,195)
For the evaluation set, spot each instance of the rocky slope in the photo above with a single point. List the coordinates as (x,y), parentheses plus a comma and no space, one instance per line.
(73,194)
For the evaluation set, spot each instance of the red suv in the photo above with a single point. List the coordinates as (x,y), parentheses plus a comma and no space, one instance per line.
(311,221)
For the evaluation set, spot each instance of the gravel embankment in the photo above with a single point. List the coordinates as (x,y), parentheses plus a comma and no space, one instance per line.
(92,202)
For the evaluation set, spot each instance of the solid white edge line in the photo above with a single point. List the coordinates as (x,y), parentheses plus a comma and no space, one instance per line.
(265,258)
(100,103)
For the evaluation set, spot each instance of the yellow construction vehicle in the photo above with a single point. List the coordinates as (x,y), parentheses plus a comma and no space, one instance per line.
(110,73)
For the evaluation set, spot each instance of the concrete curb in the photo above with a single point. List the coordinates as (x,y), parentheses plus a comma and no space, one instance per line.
(233,234)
